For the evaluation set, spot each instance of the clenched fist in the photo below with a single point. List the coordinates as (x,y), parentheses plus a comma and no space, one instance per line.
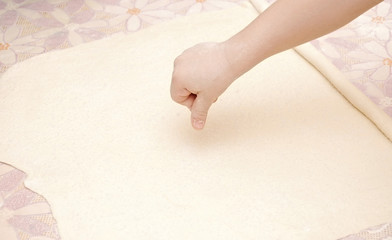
(201,74)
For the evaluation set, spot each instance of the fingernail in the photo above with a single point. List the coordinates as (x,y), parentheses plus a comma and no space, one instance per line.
(198,124)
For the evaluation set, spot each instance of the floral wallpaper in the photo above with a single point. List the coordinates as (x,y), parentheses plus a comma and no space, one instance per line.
(23,213)
(362,50)
(32,27)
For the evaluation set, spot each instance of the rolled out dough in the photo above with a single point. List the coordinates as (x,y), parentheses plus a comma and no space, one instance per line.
(283,155)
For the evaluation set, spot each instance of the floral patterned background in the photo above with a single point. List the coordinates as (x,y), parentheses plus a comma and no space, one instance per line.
(362,50)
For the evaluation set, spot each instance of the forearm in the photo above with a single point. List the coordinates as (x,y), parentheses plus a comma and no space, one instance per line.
(289,23)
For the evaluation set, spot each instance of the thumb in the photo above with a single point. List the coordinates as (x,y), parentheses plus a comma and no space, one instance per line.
(199,112)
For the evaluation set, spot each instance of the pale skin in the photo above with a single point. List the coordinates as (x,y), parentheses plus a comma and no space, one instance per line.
(203,72)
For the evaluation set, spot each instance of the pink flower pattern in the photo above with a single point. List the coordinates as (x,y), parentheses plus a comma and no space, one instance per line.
(366,57)
(376,23)
(380,232)
(23,213)
(362,50)
(137,12)
(12,10)
(11,46)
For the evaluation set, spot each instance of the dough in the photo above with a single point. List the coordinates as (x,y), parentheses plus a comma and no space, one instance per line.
(283,154)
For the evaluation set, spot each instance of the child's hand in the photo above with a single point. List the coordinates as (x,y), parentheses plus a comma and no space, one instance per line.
(201,74)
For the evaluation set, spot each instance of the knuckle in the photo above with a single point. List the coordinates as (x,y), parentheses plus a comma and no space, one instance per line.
(175,82)
(177,76)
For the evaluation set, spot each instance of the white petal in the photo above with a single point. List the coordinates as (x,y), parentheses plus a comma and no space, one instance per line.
(354,74)
(360,55)
(37,208)
(115,9)
(127,4)
(119,19)
(222,4)
(195,8)
(159,13)
(180,5)
(29,13)
(376,49)
(382,33)
(28,49)
(141,3)
(74,38)
(94,5)
(389,48)
(363,19)
(372,91)
(24,40)
(133,23)
(385,102)
(382,73)
(149,19)
(382,9)
(61,16)
(7,57)
(160,4)
(11,34)
(94,24)
(367,65)
(365,29)
(47,33)
(330,50)
(388,23)
(378,229)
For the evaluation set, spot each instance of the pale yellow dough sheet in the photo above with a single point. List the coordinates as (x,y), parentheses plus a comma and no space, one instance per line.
(283,154)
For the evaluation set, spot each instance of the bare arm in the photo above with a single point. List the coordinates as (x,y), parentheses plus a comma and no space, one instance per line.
(289,23)
(197,83)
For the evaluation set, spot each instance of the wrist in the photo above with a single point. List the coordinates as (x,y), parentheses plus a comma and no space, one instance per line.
(241,55)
